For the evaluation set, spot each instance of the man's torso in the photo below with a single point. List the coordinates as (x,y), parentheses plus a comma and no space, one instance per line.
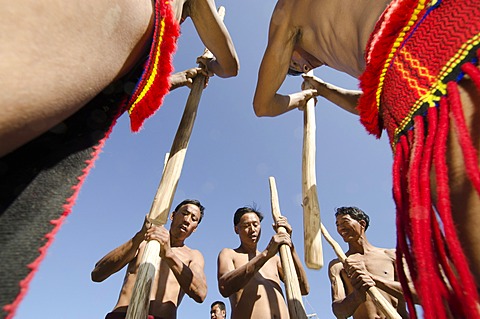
(334,31)
(166,293)
(262,296)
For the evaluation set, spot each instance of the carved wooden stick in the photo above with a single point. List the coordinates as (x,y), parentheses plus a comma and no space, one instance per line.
(311,208)
(292,286)
(139,303)
(373,292)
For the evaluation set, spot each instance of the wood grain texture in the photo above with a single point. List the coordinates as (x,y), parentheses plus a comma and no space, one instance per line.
(292,287)
(311,207)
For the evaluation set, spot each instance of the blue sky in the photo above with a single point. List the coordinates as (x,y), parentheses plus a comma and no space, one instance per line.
(231,155)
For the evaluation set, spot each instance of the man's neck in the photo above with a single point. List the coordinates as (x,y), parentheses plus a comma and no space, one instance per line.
(248,249)
(176,242)
(360,246)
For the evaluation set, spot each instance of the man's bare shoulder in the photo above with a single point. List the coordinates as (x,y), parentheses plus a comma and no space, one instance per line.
(283,10)
(189,255)
(390,252)
(227,253)
(335,266)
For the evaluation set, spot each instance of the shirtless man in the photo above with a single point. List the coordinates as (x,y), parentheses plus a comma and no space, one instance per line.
(366,266)
(56,56)
(181,269)
(251,278)
(308,34)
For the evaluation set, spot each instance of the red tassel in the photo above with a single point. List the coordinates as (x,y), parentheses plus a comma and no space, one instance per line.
(399,165)
(464,138)
(443,205)
(473,72)
(421,233)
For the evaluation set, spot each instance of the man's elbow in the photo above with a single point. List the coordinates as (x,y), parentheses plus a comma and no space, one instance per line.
(231,70)
(337,311)
(200,295)
(96,276)
(224,291)
(260,109)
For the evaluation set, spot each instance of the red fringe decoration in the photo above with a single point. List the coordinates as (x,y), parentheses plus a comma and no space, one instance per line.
(397,14)
(464,138)
(435,258)
(399,182)
(472,71)
(154,83)
(414,58)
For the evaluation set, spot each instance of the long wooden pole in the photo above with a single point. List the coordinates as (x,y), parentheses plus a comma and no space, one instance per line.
(373,292)
(139,303)
(292,286)
(311,207)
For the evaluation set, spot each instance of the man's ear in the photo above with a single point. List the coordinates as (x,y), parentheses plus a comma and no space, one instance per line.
(236,229)
(363,223)
(171,215)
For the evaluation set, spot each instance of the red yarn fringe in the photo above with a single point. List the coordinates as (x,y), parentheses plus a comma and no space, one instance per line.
(154,83)
(426,237)
(397,14)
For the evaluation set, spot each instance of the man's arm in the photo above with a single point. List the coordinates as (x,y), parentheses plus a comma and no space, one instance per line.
(119,257)
(231,279)
(215,36)
(183,78)
(191,277)
(343,306)
(302,275)
(346,99)
(275,64)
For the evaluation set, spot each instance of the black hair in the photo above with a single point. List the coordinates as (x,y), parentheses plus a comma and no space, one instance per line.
(245,210)
(354,212)
(220,304)
(193,202)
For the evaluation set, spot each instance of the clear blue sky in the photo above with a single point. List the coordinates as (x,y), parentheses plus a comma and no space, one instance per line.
(230,157)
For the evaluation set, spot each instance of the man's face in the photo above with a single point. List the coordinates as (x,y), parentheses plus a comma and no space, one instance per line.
(248,228)
(185,221)
(217,313)
(349,228)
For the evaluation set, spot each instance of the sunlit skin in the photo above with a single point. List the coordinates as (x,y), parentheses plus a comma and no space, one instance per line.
(366,266)
(181,269)
(251,278)
(68,64)
(306,35)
